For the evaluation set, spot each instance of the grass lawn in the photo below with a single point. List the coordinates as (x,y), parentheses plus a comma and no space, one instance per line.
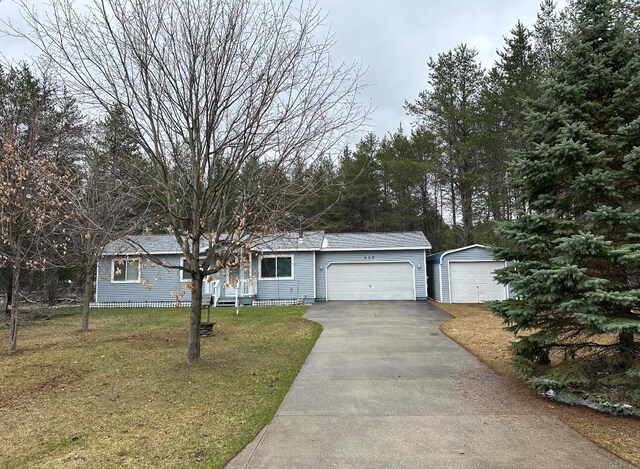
(123,395)
(480,332)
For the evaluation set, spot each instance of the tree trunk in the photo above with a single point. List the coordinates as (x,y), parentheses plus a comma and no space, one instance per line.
(627,344)
(86,298)
(7,306)
(454,215)
(51,282)
(467,215)
(193,351)
(13,322)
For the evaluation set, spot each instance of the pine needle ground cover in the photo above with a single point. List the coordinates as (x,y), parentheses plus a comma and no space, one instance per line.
(122,395)
(480,332)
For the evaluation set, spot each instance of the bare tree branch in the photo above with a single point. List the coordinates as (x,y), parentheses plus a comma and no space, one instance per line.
(227,98)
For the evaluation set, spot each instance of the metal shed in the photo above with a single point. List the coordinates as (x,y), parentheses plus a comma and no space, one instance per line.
(465,275)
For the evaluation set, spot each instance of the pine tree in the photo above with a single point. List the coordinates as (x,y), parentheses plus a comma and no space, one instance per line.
(359,205)
(451,110)
(576,240)
(512,80)
(547,34)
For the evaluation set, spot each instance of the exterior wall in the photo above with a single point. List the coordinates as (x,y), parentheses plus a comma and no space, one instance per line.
(472,254)
(416,257)
(165,283)
(162,284)
(299,288)
(433,280)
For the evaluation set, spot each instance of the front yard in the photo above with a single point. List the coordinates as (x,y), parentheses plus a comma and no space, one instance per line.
(122,394)
(480,332)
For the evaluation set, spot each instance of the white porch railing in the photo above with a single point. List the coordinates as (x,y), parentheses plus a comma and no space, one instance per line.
(213,288)
(247,287)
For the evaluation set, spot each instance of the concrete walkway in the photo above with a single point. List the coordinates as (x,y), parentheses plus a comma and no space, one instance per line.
(383,388)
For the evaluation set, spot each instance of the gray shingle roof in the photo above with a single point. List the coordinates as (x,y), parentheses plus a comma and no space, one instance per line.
(289,241)
(375,241)
(311,241)
(155,244)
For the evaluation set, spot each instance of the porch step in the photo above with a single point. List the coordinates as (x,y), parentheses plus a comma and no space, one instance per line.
(226,302)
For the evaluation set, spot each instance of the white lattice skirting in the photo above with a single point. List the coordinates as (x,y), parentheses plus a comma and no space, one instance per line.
(141,304)
(276,302)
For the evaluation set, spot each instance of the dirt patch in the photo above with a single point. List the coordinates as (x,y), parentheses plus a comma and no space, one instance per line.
(160,338)
(481,333)
(47,379)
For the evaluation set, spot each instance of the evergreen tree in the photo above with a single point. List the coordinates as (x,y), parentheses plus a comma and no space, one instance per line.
(547,34)
(358,207)
(451,110)
(429,191)
(576,239)
(317,210)
(512,80)
(400,173)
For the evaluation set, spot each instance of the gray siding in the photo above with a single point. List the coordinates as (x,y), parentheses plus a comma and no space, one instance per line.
(433,273)
(300,288)
(416,257)
(472,254)
(164,283)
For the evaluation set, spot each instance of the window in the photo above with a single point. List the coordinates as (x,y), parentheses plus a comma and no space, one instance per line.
(184,275)
(276,267)
(125,270)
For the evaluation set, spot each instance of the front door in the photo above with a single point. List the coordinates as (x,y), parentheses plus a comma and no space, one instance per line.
(232,281)
(208,286)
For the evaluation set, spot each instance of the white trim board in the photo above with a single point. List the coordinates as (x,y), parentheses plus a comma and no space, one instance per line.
(126,259)
(275,256)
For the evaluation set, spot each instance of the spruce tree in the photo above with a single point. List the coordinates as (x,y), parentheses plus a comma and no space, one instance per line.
(576,240)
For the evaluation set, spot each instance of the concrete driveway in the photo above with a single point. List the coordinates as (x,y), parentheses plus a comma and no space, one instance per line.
(384,388)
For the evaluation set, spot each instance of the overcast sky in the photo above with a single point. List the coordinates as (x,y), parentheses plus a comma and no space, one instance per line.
(393,39)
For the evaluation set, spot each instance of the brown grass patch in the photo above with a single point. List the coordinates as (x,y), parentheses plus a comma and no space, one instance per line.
(481,333)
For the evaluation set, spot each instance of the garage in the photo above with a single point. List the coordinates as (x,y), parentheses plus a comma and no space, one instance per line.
(371,281)
(465,275)
(473,282)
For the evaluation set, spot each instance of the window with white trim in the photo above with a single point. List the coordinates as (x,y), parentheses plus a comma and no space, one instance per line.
(276,267)
(125,270)
(185,276)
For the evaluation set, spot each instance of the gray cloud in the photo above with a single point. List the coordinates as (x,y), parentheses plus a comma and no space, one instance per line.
(392,39)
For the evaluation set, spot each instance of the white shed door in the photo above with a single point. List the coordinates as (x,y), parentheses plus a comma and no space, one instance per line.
(370,281)
(473,282)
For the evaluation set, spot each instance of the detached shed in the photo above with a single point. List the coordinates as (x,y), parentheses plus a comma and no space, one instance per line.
(465,275)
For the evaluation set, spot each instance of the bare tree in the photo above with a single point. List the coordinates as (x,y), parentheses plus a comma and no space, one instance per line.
(31,202)
(37,130)
(103,198)
(227,98)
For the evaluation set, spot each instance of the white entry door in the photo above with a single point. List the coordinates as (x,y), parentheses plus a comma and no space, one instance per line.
(209,285)
(371,281)
(231,281)
(473,282)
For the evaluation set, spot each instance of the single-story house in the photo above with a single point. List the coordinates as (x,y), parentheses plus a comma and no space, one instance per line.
(284,269)
(465,275)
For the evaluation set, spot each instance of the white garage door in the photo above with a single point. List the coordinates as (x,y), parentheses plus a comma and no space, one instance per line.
(473,282)
(370,281)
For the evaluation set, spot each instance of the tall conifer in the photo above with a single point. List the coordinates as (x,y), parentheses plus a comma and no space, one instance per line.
(576,240)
